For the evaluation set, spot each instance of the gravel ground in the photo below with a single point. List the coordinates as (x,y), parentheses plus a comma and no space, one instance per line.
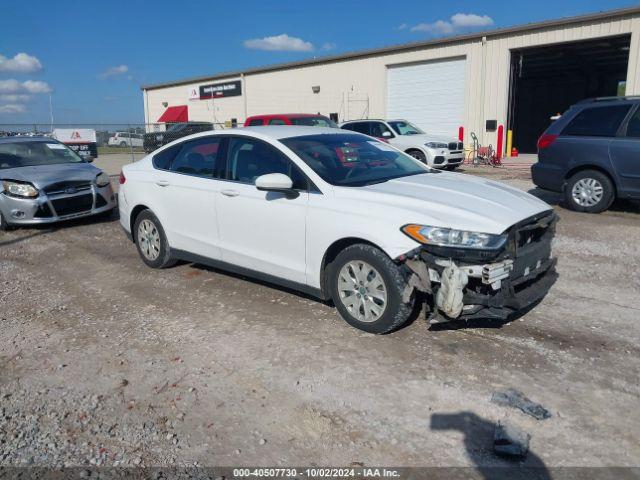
(104,361)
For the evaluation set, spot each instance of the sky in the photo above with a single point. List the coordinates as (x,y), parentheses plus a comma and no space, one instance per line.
(91,57)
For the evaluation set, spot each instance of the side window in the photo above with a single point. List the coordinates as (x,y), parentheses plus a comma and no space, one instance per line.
(277,121)
(256,122)
(250,158)
(360,127)
(378,129)
(162,160)
(198,157)
(633,127)
(597,121)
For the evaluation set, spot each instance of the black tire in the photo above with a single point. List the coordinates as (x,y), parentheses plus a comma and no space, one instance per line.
(123,144)
(163,258)
(4,226)
(451,168)
(598,180)
(418,155)
(395,312)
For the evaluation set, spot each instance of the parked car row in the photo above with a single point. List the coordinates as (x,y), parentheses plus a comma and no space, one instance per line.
(354,214)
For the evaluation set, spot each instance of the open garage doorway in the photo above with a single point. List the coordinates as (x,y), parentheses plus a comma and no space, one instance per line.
(547,80)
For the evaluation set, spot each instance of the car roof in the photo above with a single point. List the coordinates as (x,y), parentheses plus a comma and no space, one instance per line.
(376,120)
(288,115)
(25,138)
(278,132)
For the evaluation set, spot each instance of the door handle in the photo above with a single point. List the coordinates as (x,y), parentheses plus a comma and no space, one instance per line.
(162,183)
(230,193)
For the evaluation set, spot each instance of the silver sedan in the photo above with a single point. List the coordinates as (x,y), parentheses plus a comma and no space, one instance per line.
(44,181)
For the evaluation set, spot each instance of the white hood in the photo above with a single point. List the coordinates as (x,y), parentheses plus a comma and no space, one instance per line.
(450,200)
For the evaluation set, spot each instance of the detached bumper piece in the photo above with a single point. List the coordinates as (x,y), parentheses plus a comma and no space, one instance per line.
(513,296)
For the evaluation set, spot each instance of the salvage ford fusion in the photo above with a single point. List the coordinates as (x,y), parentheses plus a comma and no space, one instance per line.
(44,181)
(344,217)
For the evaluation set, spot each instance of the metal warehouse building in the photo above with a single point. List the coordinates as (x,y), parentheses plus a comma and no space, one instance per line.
(517,77)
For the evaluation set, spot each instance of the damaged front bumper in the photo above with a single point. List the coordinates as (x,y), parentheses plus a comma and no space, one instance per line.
(465,287)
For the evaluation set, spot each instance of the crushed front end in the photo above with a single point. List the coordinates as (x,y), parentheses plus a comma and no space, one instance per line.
(486,283)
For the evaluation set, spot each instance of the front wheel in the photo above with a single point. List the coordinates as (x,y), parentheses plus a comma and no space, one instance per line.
(418,155)
(589,191)
(151,241)
(366,288)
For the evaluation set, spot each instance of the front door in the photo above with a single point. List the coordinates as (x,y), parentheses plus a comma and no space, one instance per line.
(262,231)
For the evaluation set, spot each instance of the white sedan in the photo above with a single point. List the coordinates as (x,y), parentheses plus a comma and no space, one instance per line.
(344,217)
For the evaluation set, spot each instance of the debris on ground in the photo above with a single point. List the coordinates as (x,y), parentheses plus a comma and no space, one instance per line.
(516,399)
(510,441)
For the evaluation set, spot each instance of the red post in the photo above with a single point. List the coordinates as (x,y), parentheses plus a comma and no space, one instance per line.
(499,144)
(461,134)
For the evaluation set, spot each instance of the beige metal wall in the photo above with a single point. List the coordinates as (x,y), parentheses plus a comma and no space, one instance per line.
(356,88)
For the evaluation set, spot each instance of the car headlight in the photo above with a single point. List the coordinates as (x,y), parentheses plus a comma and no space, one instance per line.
(102,180)
(436,145)
(448,237)
(19,189)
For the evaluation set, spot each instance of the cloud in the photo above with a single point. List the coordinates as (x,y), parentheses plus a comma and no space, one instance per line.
(11,97)
(36,86)
(402,26)
(21,63)
(12,108)
(279,43)
(30,86)
(328,46)
(114,71)
(460,22)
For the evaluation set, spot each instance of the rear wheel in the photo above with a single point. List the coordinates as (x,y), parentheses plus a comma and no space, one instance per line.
(589,191)
(151,241)
(123,144)
(366,288)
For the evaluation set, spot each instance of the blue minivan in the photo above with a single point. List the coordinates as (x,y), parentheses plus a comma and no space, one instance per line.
(592,153)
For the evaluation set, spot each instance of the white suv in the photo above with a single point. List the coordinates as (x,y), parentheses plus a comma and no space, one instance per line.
(435,151)
(124,139)
(344,217)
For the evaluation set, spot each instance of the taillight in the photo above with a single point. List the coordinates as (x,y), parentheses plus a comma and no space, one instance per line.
(546,140)
(122,178)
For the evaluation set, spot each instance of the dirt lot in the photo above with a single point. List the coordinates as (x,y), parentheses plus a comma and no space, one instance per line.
(104,361)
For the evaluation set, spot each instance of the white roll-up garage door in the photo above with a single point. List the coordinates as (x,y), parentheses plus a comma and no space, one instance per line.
(430,95)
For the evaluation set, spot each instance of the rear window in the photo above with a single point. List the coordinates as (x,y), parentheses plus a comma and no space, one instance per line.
(318,121)
(597,121)
(256,122)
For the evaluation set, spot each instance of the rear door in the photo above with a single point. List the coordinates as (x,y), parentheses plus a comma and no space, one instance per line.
(262,231)
(625,155)
(187,191)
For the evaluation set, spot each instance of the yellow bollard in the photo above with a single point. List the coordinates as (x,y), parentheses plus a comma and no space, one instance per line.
(509,141)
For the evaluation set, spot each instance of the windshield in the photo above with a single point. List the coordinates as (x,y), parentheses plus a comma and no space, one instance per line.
(314,122)
(353,160)
(405,128)
(28,154)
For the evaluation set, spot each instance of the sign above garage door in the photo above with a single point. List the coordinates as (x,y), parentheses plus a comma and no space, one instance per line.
(431,95)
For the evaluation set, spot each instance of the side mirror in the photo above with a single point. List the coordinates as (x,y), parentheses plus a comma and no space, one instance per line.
(274,182)
(387,134)
(88,159)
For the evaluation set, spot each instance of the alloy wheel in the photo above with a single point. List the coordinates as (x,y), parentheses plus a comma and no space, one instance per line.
(587,192)
(362,291)
(149,239)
